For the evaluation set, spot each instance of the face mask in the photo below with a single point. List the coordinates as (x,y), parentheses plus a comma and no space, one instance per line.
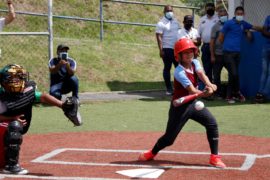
(169,15)
(188,26)
(210,12)
(239,18)
(223,19)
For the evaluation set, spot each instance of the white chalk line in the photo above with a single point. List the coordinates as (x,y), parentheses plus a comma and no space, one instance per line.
(247,164)
(51,177)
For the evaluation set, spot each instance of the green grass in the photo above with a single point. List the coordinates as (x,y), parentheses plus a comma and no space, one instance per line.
(127,59)
(151,115)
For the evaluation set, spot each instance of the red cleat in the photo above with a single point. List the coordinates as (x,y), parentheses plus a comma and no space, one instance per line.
(146,156)
(215,160)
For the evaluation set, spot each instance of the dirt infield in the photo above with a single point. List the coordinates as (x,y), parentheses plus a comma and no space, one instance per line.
(100,154)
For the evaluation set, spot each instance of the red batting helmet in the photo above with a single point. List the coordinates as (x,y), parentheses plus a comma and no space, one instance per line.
(182,45)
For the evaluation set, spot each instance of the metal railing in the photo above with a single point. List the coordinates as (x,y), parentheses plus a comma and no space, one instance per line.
(101,19)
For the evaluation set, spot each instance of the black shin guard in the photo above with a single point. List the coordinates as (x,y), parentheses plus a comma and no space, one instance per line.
(13,141)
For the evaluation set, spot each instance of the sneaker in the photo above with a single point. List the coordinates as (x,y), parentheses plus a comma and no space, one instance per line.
(169,92)
(16,169)
(240,97)
(146,156)
(215,160)
(259,98)
(230,100)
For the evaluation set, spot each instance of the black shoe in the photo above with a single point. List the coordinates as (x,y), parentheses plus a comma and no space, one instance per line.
(260,98)
(169,92)
(15,169)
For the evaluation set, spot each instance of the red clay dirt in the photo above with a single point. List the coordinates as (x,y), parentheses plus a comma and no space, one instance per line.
(35,146)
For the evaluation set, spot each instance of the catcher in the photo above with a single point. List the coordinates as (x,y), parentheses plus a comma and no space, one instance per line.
(17,96)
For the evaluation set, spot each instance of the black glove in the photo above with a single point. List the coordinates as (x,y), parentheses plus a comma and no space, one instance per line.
(70,108)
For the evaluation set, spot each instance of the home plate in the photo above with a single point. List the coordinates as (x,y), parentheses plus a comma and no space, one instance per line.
(142,173)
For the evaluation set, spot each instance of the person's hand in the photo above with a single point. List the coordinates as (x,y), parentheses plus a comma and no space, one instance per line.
(20,118)
(211,87)
(63,62)
(161,53)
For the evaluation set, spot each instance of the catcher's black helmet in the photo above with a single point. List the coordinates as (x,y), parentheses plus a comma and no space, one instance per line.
(13,78)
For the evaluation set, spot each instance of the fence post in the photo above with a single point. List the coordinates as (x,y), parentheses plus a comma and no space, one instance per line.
(50,29)
(101,19)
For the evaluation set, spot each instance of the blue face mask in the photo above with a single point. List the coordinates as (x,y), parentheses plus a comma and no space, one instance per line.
(169,15)
(223,19)
(239,18)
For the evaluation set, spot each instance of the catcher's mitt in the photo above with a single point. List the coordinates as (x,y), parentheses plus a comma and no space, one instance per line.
(70,108)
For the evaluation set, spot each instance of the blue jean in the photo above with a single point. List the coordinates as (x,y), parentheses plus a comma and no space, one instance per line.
(232,60)
(168,60)
(265,76)
(68,85)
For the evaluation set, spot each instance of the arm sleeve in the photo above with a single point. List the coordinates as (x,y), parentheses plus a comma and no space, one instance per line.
(247,25)
(37,96)
(213,32)
(182,78)
(73,64)
(267,22)
(225,28)
(159,28)
(2,23)
(198,66)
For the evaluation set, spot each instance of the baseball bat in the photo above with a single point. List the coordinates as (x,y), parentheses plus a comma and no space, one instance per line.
(186,99)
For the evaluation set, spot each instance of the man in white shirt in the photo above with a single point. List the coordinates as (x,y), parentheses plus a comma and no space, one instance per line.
(166,34)
(189,31)
(10,17)
(205,27)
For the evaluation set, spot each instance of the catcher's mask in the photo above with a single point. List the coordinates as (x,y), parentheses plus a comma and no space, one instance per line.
(13,78)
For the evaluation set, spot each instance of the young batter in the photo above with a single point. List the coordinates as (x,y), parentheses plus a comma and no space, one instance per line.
(185,82)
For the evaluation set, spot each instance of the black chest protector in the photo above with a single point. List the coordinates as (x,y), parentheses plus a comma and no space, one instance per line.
(20,103)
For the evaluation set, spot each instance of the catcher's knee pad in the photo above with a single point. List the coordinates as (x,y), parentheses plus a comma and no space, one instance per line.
(13,141)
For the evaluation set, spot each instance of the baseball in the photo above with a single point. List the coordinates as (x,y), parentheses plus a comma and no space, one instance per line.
(199,105)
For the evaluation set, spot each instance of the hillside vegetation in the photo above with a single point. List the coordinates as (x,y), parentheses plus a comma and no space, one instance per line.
(127,59)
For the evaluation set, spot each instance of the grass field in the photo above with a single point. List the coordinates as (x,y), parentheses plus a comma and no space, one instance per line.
(144,115)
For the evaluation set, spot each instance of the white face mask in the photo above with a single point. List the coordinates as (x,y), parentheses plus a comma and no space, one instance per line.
(223,19)
(239,18)
(169,15)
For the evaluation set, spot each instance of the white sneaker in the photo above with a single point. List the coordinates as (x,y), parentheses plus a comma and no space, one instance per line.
(16,169)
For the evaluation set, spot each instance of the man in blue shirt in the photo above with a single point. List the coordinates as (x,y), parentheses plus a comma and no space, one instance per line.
(231,35)
(265,78)
(62,74)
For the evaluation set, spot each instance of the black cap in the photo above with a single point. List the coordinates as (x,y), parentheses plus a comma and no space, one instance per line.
(62,46)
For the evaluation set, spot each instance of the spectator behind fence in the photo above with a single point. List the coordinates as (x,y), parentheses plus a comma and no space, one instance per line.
(10,17)
(216,48)
(231,34)
(189,31)
(62,74)
(264,88)
(205,27)
(166,34)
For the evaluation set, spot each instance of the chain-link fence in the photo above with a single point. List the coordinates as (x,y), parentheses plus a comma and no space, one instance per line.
(22,47)
(29,51)
(256,11)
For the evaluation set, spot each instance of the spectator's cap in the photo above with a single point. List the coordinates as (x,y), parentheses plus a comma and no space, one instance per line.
(62,46)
